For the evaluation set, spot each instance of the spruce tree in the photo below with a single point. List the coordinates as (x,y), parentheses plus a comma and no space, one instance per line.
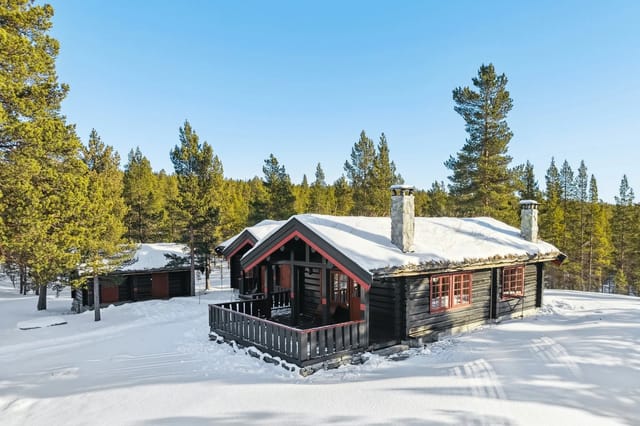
(301,193)
(383,175)
(200,176)
(318,194)
(600,249)
(625,227)
(529,189)
(582,186)
(481,179)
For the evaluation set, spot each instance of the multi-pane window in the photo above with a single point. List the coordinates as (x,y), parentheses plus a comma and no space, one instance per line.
(450,291)
(512,282)
(339,288)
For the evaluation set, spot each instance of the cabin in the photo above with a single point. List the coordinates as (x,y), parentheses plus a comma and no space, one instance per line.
(156,271)
(329,286)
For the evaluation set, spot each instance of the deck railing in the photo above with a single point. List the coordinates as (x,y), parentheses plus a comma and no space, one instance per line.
(241,321)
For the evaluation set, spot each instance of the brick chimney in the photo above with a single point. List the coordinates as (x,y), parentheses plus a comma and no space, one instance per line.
(529,220)
(402,217)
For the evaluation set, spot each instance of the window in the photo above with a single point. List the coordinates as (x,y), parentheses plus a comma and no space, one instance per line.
(450,291)
(512,282)
(342,289)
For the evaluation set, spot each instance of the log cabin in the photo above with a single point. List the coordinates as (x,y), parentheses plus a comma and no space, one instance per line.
(156,271)
(325,286)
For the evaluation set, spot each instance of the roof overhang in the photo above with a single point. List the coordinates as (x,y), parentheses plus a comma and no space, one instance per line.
(294,229)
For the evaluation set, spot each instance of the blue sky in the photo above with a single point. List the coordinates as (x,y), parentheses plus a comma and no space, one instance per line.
(301,79)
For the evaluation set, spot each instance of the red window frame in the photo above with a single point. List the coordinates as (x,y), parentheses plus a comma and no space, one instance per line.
(450,291)
(512,282)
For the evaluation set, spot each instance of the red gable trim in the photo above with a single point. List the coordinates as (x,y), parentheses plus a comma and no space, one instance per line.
(295,234)
(241,246)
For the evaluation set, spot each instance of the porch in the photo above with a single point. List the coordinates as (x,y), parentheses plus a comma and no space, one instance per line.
(267,323)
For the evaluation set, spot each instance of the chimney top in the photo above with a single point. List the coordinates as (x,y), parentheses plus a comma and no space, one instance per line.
(402,189)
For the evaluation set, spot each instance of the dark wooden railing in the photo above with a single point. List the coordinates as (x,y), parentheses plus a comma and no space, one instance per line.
(241,321)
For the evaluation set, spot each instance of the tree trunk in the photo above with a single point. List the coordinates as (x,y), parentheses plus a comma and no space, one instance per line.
(207,273)
(42,298)
(96,297)
(193,263)
(23,281)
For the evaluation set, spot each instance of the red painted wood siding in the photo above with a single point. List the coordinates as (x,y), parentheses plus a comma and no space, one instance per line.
(160,285)
(108,293)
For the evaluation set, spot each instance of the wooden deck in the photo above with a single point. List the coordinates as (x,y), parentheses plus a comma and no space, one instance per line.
(250,322)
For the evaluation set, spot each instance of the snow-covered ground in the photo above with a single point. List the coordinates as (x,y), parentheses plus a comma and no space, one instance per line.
(151,363)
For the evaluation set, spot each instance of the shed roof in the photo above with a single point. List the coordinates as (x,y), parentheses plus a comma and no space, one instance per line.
(157,256)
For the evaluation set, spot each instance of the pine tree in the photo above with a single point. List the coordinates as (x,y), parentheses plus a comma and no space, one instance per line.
(200,175)
(359,172)
(104,216)
(481,181)
(42,180)
(142,197)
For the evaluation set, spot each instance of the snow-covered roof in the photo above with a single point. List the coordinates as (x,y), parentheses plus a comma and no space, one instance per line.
(154,257)
(438,241)
(258,231)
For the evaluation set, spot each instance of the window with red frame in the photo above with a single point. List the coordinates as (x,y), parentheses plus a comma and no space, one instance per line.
(450,291)
(512,282)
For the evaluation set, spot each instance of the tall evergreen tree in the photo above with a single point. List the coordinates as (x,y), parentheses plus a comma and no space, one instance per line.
(200,175)
(302,194)
(529,189)
(42,180)
(600,248)
(359,172)
(439,203)
(624,228)
(104,217)
(343,196)
(582,192)
(318,195)
(142,197)
(382,177)
(481,181)
(280,198)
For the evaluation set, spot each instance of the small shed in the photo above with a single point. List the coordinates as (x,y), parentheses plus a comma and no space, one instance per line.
(156,271)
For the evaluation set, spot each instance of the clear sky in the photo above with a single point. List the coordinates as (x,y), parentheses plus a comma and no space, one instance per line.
(301,79)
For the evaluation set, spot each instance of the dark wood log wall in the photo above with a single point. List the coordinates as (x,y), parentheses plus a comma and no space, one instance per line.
(311,300)
(421,323)
(515,306)
(386,310)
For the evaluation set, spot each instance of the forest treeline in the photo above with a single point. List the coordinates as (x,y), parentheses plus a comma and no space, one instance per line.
(67,206)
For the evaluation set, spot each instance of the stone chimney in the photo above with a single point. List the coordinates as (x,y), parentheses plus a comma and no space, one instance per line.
(529,220)
(402,217)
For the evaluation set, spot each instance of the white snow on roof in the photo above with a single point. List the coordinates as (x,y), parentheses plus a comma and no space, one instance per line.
(152,256)
(438,240)
(259,231)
